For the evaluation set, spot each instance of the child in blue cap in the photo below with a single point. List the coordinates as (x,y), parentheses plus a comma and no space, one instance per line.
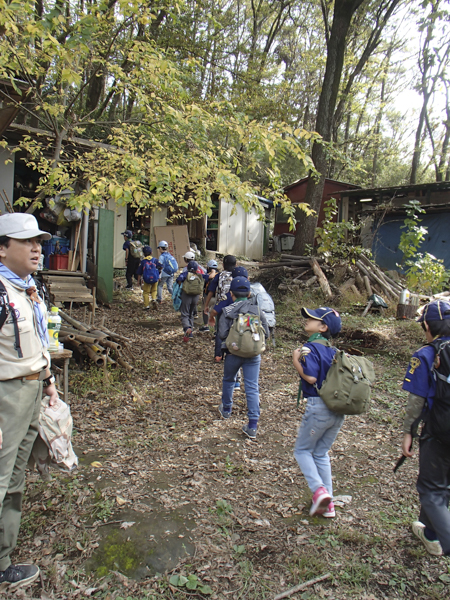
(320,425)
(149,270)
(192,280)
(240,304)
(427,367)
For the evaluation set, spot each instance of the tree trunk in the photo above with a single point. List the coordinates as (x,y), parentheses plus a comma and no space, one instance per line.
(343,13)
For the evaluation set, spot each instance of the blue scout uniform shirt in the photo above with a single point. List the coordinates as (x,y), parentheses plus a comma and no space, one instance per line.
(221,305)
(214,283)
(419,378)
(316,360)
(126,245)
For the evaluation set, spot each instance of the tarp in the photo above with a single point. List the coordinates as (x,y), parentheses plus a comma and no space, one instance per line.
(387,238)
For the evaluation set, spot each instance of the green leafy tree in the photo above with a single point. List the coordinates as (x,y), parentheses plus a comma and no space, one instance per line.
(96,72)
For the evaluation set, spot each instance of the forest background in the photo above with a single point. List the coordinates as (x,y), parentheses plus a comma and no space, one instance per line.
(235,97)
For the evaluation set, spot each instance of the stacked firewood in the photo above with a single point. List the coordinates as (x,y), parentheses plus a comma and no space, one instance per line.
(364,278)
(97,344)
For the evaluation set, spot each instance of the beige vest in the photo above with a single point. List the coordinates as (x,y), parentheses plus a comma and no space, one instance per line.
(35,357)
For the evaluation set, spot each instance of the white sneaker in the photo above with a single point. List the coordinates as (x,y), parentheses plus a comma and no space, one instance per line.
(432,547)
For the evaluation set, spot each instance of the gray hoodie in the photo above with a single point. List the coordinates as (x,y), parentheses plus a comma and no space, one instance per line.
(230,313)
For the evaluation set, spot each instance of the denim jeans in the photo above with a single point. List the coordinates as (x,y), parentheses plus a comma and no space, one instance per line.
(168,280)
(432,485)
(250,369)
(317,432)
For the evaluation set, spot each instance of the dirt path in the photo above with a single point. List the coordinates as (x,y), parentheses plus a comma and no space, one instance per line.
(164,483)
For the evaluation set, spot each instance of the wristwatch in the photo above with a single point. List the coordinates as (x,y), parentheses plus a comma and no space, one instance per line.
(48,381)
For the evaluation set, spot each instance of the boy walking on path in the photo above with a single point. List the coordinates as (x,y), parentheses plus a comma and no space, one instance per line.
(131,262)
(320,425)
(429,400)
(240,290)
(24,376)
(169,268)
(149,271)
(192,281)
(211,270)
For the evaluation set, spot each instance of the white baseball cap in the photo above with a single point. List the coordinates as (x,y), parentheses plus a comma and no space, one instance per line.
(21,226)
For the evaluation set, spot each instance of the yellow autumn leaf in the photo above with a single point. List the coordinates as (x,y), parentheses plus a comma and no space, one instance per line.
(120,501)
(96,464)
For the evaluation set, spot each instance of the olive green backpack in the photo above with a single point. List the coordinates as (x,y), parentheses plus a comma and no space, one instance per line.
(246,337)
(193,284)
(347,386)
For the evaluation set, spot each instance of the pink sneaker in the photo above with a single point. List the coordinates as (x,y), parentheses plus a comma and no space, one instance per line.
(187,335)
(329,511)
(320,501)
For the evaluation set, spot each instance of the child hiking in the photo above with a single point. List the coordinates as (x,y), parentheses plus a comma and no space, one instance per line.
(211,270)
(426,380)
(320,425)
(169,268)
(149,270)
(219,287)
(242,329)
(192,281)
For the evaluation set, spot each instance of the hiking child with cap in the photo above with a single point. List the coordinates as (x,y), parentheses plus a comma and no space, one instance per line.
(149,270)
(426,380)
(241,305)
(132,262)
(320,425)
(192,281)
(187,257)
(169,268)
(24,377)
(215,313)
(211,271)
(220,285)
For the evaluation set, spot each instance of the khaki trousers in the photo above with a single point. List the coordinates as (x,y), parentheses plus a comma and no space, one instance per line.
(150,288)
(20,402)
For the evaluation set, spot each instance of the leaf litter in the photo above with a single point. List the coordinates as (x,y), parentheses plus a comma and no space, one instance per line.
(253,536)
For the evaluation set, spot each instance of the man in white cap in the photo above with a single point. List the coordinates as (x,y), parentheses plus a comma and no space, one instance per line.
(24,377)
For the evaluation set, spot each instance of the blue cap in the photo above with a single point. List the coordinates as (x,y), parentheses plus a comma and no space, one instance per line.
(212,264)
(327,315)
(438,310)
(192,266)
(239,272)
(147,250)
(240,286)
(163,244)
(128,233)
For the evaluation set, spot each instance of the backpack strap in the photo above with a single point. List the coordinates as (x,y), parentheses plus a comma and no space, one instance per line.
(4,308)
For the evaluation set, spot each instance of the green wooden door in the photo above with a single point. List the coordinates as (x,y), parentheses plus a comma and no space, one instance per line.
(105,239)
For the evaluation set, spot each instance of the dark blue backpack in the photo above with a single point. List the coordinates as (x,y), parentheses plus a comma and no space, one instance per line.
(170,265)
(150,273)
